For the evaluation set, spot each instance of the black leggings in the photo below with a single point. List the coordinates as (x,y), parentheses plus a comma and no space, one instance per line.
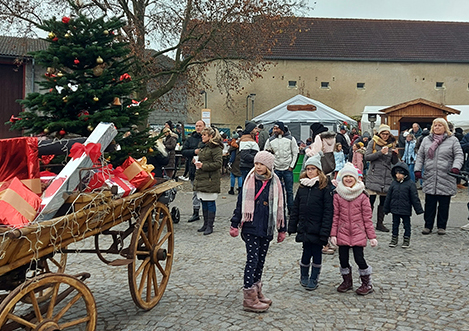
(357,255)
(256,251)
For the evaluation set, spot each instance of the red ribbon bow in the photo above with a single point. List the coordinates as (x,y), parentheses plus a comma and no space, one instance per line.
(91,149)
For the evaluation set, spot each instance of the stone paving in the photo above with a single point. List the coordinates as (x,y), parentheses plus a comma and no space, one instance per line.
(425,287)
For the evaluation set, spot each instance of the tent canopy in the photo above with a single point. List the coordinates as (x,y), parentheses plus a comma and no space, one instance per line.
(323,113)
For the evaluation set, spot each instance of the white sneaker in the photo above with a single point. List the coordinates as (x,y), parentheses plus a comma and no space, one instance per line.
(465,227)
(186,179)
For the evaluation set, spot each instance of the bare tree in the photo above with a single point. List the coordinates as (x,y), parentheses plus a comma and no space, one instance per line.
(194,33)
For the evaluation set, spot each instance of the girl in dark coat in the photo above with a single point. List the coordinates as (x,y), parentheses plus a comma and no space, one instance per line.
(311,218)
(259,210)
(402,195)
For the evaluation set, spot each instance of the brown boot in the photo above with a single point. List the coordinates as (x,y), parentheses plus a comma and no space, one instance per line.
(251,301)
(366,287)
(347,284)
(379,225)
(261,296)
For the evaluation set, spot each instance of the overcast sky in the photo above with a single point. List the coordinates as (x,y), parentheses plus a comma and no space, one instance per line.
(432,10)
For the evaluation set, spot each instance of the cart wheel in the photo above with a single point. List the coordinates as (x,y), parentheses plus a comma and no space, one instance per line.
(175,214)
(70,305)
(151,248)
(55,263)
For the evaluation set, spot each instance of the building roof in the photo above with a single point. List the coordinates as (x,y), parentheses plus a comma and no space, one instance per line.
(375,40)
(15,46)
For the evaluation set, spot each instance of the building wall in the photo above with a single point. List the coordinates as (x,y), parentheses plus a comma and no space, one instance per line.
(385,84)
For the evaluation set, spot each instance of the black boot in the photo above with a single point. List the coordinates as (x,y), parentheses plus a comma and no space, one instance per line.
(379,225)
(304,274)
(204,227)
(231,191)
(314,278)
(210,220)
(195,215)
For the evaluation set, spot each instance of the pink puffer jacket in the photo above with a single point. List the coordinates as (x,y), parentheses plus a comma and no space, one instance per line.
(352,224)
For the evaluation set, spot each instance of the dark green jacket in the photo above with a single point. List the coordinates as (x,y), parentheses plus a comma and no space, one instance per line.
(207,178)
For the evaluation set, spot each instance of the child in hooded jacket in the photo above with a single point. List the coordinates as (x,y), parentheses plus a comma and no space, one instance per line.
(351,227)
(311,218)
(402,195)
(259,210)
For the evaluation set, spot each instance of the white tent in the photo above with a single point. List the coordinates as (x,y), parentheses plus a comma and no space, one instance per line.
(299,121)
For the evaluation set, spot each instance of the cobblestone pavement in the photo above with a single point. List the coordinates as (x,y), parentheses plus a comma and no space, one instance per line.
(425,287)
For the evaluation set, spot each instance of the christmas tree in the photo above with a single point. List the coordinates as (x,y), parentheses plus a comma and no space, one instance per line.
(88,81)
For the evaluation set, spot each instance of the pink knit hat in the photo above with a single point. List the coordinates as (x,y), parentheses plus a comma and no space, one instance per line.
(266,158)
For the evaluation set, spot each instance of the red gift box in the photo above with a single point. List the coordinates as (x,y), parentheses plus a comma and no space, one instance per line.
(19,205)
(138,172)
(99,177)
(20,159)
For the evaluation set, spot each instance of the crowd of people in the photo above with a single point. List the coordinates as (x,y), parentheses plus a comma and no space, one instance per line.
(342,176)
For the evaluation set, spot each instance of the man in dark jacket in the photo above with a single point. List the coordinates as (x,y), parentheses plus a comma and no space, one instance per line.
(248,148)
(189,150)
(342,139)
(402,195)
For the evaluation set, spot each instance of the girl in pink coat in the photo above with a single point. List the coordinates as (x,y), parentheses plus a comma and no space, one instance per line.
(351,227)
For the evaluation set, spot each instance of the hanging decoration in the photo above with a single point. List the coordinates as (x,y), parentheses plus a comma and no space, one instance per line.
(65,19)
(98,70)
(95,99)
(136,103)
(125,77)
(76,61)
(51,35)
(99,60)
(116,102)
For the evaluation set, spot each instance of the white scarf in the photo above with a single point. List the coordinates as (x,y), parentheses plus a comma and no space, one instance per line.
(309,181)
(350,193)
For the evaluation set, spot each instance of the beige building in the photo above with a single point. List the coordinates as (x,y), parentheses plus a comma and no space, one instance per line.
(348,64)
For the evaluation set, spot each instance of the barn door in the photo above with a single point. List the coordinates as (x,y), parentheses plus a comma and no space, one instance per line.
(11,89)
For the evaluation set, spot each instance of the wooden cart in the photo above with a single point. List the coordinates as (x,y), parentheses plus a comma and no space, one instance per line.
(39,296)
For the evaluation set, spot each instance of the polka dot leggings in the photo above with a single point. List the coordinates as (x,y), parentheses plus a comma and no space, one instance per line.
(256,250)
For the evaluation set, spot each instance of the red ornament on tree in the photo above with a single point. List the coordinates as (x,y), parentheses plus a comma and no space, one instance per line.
(13,119)
(62,132)
(83,115)
(76,61)
(65,19)
(55,39)
(125,76)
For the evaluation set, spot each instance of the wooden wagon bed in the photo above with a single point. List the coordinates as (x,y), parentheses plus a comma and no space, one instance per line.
(33,259)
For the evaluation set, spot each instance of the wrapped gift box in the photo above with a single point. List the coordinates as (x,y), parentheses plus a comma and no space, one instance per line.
(68,179)
(18,204)
(138,172)
(99,176)
(124,187)
(20,159)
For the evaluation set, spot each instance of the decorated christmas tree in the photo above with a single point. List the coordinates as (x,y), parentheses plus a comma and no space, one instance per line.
(88,80)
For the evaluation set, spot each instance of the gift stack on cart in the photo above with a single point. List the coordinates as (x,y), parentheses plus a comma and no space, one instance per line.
(42,216)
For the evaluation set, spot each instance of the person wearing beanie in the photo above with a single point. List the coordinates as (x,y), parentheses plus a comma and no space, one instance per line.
(260,210)
(311,219)
(248,148)
(401,197)
(262,137)
(352,227)
(439,154)
(285,148)
(382,154)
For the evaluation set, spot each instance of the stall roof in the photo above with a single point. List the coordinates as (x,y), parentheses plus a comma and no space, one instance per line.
(323,113)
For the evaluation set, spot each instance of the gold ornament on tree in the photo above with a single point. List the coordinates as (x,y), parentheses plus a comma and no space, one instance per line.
(46,131)
(95,99)
(51,35)
(105,32)
(60,74)
(65,99)
(116,102)
(50,70)
(67,35)
(89,128)
(99,60)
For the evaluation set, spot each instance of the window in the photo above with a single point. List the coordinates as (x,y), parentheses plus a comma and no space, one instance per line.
(439,85)
(325,85)
(292,84)
(361,86)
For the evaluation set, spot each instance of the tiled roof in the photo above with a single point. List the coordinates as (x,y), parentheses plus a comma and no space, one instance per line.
(376,40)
(14,46)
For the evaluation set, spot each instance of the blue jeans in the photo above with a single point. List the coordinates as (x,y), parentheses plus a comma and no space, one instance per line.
(233,180)
(287,184)
(411,171)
